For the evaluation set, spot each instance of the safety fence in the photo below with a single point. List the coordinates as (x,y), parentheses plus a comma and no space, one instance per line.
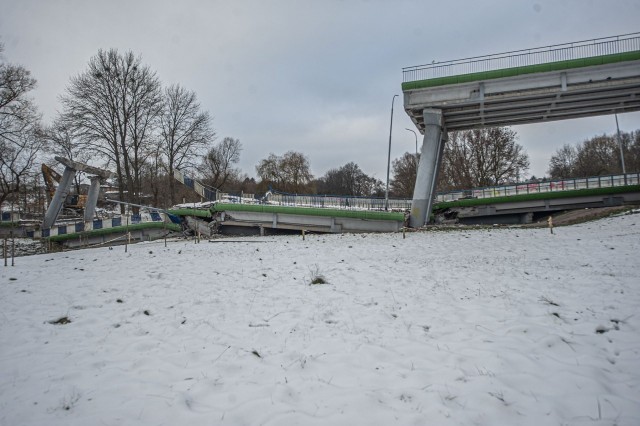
(209,193)
(76,227)
(526,57)
(332,201)
(542,187)
(206,192)
(12,216)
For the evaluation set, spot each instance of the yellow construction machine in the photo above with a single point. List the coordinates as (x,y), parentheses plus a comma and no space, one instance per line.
(74,202)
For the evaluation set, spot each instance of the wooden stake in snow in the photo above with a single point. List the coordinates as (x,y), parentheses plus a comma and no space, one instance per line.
(303,235)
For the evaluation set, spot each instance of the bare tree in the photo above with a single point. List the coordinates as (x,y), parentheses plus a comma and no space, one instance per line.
(349,180)
(289,173)
(60,141)
(405,170)
(146,107)
(482,157)
(631,143)
(154,180)
(20,135)
(185,131)
(16,161)
(563,162)
(110,107)
(218,164)
(597,156)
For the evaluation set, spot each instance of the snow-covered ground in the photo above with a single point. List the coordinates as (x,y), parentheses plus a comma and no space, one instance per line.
(486,326)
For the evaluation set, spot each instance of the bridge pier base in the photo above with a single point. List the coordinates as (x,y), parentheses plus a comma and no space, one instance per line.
(430,159)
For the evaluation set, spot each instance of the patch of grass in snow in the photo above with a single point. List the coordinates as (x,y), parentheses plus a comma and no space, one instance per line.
(317,277)
(548,301)
(61,321)
(499,396)
(601,329)
(319,280)
(68,402)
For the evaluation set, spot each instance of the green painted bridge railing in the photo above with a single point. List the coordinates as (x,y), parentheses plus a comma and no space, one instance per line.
(550,58)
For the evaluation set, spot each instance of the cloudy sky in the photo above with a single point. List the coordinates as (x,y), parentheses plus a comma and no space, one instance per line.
(311,76)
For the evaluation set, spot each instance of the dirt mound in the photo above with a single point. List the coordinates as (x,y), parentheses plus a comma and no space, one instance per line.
(572,217)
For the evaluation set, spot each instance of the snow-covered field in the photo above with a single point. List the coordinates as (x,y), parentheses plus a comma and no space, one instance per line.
(486,326)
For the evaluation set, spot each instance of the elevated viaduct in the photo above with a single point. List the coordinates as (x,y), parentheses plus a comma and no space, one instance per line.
(560,82)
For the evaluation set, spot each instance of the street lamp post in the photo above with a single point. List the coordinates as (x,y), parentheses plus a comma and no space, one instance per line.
(416,135)
(386,192)
(624,170)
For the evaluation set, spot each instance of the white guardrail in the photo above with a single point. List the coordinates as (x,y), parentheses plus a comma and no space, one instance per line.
(73,228)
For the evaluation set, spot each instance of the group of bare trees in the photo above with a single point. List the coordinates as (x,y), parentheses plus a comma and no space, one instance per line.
(116,114)
(117,110)
(482,157)
(471,158)
(289,172)
(349,180)
(597,156)
(20,131)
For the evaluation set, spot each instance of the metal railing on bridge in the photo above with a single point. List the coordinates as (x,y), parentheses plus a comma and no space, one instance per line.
(374,203)
(542,187)
(209,193)
(519,58)
(336,201)
(377,203)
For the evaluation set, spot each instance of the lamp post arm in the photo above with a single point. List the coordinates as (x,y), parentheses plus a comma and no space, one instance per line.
(416,136)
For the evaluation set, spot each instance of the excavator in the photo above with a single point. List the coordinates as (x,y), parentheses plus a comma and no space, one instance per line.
(73,202)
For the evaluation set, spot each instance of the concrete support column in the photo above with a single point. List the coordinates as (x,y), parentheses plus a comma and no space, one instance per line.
(430,159)
(57,202)
(92,198)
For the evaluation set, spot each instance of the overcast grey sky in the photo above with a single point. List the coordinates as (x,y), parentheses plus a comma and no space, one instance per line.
(311,76)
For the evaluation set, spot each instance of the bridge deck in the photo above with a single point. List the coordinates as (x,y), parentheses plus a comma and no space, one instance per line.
(575,80)
(521,70)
